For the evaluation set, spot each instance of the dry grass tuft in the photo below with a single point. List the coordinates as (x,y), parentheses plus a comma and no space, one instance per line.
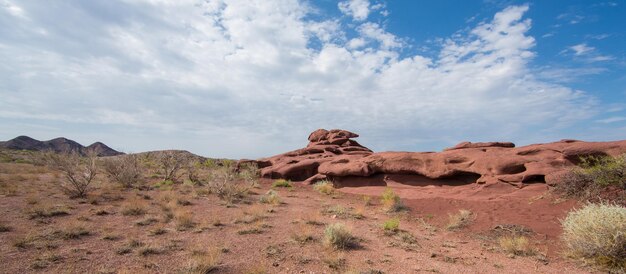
(303,234)
(134,207)
(203,262)
(184,220)
(271,197)
(44,211)
(324,187)
(460,220)
(516,245)
(391,201)
(281,183)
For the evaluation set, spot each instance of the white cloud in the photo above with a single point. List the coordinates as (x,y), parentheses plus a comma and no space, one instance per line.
(358,9)
(581,49)
(590,54)
(612,120)
(253,78)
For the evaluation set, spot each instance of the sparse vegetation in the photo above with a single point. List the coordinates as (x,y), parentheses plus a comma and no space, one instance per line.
(124,170)
(72,231)
(596,233)
(5,228)
(392,225)
(594,178)
(149,250)
(184,220)
(271,197)
(460,220)
(516,245)
(169,164)
(78,171)
(391,201)
(324,187)
(134,207)
(339,236)
(202,262)
(43,211)
(281,183)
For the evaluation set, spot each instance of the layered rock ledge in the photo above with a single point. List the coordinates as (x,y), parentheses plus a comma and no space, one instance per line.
(333,155)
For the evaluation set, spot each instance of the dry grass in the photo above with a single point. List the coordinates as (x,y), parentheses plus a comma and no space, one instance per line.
(281,183)
(134,207)
(72,231)
(5,228)
(46,211)
(460,220)
(391,201)
(184,220)
(516,245)
(596,234)
(202,262)
(303,234)
(271,197)
(324,187)
(338,236)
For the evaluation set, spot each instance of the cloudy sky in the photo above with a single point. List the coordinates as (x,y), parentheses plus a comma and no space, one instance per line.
(252,78)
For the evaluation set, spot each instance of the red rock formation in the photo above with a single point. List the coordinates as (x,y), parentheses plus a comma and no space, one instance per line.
(333,155)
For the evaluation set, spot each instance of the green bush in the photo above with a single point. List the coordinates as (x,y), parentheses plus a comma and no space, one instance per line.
(281,183)
(593,175)
(391,225)
(339,236)
(596,233)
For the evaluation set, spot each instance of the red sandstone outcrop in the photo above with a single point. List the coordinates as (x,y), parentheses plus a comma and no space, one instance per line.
(334,155)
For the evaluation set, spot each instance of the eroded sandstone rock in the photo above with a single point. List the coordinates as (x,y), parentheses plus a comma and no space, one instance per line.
(332,154)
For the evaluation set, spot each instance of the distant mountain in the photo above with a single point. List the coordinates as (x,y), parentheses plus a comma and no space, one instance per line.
(61,144)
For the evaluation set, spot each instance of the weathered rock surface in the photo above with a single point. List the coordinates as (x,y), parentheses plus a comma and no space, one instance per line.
(334,155)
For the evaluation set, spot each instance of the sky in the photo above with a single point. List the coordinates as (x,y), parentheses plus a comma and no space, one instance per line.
(252,78)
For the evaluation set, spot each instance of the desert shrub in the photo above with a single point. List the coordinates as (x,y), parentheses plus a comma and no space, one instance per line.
(391,225)
(460,220)
(281,183)
(516,245)
(78,171)
(167,184)
(593,175)
(391,201)
(596,233)
(249,172)
(271,197)
(124,170)
(339,236)
(170,163)
(324,187)
(222,182)
(192,170)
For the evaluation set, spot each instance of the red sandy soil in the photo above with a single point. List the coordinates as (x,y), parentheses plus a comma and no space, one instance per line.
(469,250)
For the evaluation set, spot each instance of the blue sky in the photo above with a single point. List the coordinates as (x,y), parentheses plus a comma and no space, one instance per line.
(247,79)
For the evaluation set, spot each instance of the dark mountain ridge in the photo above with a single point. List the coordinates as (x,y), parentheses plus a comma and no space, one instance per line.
(60,145)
